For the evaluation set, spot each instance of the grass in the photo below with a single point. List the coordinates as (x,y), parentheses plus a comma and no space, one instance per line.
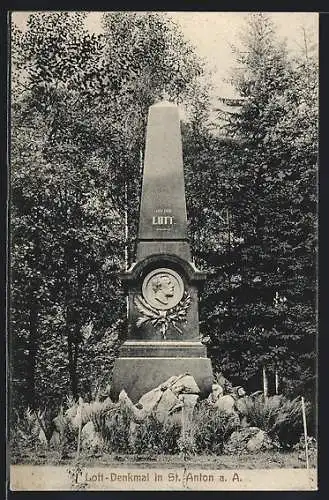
(262,460)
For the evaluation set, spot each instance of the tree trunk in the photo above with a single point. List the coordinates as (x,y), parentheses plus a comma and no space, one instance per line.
(75,378)
(265,383)
(276,381)
(32,347)
(72,357)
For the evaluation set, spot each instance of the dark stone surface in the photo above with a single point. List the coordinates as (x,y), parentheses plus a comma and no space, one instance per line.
(174,247)
(147,358)
(163,191)
(191,278)
(139,375)
(189,330)
(169,349)
(140,268)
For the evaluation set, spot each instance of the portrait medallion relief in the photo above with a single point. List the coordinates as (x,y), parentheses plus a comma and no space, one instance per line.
(163,288)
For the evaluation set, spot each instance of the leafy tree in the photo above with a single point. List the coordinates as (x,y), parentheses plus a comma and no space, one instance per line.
(79,111)
(64,191)
(78,122)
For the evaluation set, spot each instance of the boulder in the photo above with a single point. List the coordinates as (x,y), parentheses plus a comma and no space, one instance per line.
(167,405)
(150,400)
(77,414)
(137,412)
(164,400)
(90,439)
(238,391)
(225,404)
(257,442)
(217,391)
(188,402)
(173,401)
(248,440)
(224,383)
(242,406)
(184,384)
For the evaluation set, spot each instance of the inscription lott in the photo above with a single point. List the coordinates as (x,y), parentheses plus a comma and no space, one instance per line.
(160,220)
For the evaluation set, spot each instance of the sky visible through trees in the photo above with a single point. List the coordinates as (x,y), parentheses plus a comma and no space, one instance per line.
(79,107)
(213,34)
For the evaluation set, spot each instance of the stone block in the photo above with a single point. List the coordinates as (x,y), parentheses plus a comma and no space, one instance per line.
(140,375)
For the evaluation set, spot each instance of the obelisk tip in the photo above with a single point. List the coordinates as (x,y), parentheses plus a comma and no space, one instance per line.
(164,104)
(162,208)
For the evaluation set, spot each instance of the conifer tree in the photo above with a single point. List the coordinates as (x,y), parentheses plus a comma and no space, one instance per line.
(261,307)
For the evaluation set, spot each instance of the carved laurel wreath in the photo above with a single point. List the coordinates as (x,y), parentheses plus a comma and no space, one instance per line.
(162,319)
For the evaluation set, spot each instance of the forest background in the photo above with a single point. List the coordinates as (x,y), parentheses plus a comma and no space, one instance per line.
(79,103)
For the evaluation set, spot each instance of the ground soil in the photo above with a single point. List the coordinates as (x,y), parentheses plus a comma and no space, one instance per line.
(259,460)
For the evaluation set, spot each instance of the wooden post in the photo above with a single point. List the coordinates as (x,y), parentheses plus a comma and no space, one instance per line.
(183,421)
(305,432)
(276,380)
(184,443)
(80,427)
(265,383)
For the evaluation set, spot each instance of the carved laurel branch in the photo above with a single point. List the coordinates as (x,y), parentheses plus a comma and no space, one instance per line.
(162,319)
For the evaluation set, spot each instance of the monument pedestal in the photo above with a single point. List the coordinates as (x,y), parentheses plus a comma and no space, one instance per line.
(163,337)
(137,373)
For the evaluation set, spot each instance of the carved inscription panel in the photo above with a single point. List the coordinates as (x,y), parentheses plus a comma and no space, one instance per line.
(163,220)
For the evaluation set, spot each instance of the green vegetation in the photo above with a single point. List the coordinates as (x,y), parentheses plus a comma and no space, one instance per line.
(79,108)
(252,209)
(209,433)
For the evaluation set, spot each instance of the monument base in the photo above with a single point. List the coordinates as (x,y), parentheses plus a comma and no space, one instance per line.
(138,375)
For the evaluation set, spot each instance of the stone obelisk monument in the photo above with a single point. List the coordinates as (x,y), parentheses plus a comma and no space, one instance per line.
(162,285)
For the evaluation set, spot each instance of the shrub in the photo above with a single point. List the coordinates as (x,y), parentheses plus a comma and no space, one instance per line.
(209,431)
(280,417)
(288,426)
(151,435)
(69,441)
(262,413)
(311,444)
(212,428)
(25,434)
(113,425)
